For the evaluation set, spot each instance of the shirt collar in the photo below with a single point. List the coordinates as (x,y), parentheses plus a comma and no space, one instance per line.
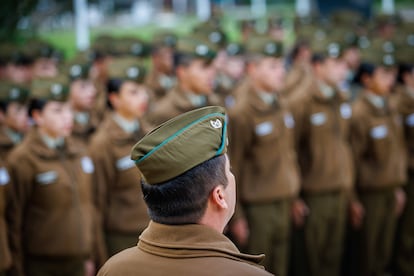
(196,100)
(52,143)
(410,91)
(127,126)
(327,91)
(82,118)
(267,98)
(15,136)
(377,101)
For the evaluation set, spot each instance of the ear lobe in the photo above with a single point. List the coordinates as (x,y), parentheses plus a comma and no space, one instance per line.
(219,197)
(37,117)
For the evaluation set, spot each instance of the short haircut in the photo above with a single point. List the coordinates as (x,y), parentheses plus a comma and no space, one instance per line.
(183,59)
(3,106)
(36,104)
(183,199)
(113,86)
(365,69)
(403,69)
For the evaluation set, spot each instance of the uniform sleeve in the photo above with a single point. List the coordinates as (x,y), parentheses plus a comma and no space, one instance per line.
(19,194)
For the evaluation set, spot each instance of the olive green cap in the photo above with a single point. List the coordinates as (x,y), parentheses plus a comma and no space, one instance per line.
(165,39)
(11,92)
(76,71)
(265,46)
(131,46)
(234,49)
(127,68)
(50,89)
(181,143)
(196,47)
(333,49)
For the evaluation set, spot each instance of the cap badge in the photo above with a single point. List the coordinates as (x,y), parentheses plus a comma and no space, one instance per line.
(216,124)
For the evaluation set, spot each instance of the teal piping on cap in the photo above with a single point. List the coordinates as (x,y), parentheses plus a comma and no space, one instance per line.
(172,137)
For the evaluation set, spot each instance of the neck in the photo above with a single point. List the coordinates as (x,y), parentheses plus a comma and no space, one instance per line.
(127,124)
(51,141)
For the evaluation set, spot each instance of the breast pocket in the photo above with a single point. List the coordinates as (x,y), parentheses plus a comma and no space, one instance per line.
(380,141)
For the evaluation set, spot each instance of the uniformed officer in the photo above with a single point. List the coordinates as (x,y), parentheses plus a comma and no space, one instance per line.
(13,116)
(5,260)
(195,76)
(323,126)
(122,212)
(52,213)
(191,194)
(381,166)
(404,101)
(82,98)
(263,156)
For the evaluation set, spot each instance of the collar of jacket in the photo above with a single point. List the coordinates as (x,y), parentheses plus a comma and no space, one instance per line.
(38,146)
(191,241)
(89,127)
(375,109)
(117,134)
(406,100)
(256,102)
(181,100)
(5,139)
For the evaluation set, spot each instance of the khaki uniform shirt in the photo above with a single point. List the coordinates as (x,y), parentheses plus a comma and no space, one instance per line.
(175,103)
(6,143)
(52,211)
(117,180)
(182,250)
(324,151)
(5,260)
(404,102)
(82,133)
(378,145)
(262,149)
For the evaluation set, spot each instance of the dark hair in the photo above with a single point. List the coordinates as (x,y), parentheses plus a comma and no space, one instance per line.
(112,86)
(318,58)
(36,104)
(3,106)
(299,45)
(364,69)
(183,199)
(403,69)
(183,59)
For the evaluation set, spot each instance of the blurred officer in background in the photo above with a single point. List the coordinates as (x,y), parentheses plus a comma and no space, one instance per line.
(51,213)
(161,77)
(122,211)
(263,157)
(82,98)
(5,260)
(191,195)
(323,126)
(404,101)
(381,166)
(14,119)
(195,81)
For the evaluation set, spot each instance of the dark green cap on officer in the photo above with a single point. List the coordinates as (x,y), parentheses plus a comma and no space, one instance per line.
(265,46)
(196,48)
(78,71)
(181,143)
(11,92)
(165,39)
(127,68)
(50,89)
(234,49)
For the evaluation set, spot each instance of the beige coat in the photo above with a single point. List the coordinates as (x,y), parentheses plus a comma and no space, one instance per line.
(182,250)
(5,260)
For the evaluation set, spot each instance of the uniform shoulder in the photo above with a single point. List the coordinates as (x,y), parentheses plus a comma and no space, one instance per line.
(121,263)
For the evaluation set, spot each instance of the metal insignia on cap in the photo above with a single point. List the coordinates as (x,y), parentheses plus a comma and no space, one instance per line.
(56,89)
(333,49)
(215,37)
(201,49)
(136,48)
(75,70)
(388,60)
(14,93)
(363,42)
(410,39)
(233,49)
(388,47)
(270,48)
(132,72)
(216,124)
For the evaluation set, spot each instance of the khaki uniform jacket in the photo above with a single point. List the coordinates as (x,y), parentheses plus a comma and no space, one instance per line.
(404,102)
(175,103)
(298,80)
(325,156)
(52,208)
(6,144)
(117,180)
(5,260)
(379,149)
(182,250)
(262,150)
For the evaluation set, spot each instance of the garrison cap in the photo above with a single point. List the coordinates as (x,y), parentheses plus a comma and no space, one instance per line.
(196,47)
(132,46)
(265,46)
(165,39)
(11,92)
(333,50)
(234,49)
(127,68)
(181,143)
(50,89)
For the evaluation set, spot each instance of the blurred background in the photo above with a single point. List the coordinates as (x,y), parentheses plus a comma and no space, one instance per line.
(74,24)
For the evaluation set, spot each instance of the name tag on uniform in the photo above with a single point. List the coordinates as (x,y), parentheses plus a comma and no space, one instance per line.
(47,177)
(379,132)
(264,128)
(318,119)
(87,165)
(125,163)
(289,121)
(346,110)
(4,177)
(409,121)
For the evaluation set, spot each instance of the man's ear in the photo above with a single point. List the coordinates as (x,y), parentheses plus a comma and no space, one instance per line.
(218,197)
(114,99)
(37,117)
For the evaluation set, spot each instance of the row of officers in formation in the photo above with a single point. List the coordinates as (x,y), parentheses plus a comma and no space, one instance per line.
(321,142)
